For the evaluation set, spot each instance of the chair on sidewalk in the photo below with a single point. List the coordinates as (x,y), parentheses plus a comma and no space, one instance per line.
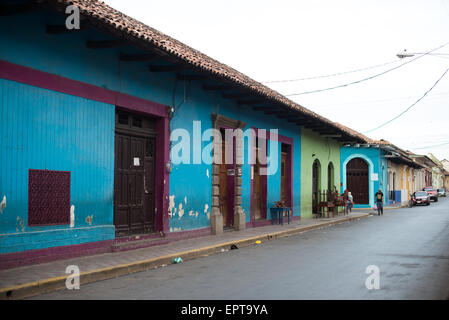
(278,211)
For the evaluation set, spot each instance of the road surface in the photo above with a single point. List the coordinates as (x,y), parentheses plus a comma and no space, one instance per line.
(410,248)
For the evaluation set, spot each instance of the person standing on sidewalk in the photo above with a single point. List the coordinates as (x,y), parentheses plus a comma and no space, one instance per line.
(380,202)
(350,201)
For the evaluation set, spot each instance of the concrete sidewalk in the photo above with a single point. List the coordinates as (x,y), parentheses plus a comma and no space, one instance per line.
(47,277)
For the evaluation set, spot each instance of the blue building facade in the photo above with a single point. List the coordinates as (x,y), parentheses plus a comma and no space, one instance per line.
(94,120)
(364,171)
(59,103)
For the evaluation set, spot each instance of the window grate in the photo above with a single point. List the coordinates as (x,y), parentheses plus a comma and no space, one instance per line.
(48,197)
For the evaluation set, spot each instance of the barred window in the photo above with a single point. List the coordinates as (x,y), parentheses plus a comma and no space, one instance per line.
(48,197)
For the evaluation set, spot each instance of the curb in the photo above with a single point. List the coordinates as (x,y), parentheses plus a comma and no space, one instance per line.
(53,284)
(364,210)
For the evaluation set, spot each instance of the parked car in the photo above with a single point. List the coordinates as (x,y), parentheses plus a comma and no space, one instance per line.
(421,198)
(441,192)
(432,193)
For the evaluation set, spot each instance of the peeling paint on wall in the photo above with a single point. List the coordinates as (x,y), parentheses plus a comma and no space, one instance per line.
(20,224)
(206,208)
(72,216)
(171,206)
(89,219)
(185,200)
(207,173)
(3,204)
(180,211)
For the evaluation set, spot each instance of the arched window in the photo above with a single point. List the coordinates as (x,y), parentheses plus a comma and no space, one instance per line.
(316,184)
(330,177)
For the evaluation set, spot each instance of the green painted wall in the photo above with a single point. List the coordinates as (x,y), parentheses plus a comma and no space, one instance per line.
(326,151)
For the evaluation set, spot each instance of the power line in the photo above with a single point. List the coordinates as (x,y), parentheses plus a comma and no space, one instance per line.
(434,146)
(433,96)
(333,74)
(406,110)
(366,79)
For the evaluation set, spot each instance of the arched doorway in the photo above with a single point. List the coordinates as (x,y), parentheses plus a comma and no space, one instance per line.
(330,177)
(316,177)
(357,180)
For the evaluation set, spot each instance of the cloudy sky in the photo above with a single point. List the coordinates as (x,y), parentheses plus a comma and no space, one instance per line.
(289,40)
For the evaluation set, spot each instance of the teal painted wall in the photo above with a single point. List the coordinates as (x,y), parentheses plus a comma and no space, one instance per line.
(43,129)
(76,126)
(377,165)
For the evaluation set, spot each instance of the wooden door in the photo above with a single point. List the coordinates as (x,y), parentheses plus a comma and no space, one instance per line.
(226,188)
(223,198)
(257,190)
(284,177)
(357,180)
(315,186)
(134,183)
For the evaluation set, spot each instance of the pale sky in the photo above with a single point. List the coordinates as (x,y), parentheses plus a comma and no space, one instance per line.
(282,40)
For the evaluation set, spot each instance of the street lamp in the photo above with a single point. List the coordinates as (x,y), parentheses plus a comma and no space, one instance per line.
(405,54)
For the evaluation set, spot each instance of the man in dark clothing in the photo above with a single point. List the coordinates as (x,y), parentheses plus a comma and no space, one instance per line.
(380,202)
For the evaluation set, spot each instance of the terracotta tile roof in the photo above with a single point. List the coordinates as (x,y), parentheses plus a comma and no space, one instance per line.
(107,16)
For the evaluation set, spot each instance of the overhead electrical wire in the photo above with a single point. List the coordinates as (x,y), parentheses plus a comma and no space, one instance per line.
(434,146)
(368,78)
(433,96)
(408,109)
(333,74)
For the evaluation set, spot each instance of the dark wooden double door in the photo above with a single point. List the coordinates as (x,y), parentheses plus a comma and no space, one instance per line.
(134,181)
(226,190)
(315,185)
(357,180)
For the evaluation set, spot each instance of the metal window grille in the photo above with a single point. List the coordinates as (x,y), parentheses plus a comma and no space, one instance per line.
(48,197)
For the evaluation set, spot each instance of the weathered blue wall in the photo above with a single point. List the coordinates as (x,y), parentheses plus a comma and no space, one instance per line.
(66,55)
(377,165)
(42,129)
(191,185)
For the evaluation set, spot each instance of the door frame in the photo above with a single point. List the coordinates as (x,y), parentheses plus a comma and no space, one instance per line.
(234,198)
(133,133)
(370,174)
(263,196)
(289,166)
(162,157)
(230,182)
(358,180)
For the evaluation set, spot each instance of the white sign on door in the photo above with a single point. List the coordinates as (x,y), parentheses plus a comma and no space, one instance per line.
(136,161)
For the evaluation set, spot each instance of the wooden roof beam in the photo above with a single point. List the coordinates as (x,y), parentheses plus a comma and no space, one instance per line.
(190,77)
(250,102)
(137,57)
(166,68)
(12,9)
(211,87)
(266,107)
(59,29)
(104,44)
(234,95)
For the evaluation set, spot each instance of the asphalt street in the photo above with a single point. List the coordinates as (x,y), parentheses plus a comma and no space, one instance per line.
(410,248)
